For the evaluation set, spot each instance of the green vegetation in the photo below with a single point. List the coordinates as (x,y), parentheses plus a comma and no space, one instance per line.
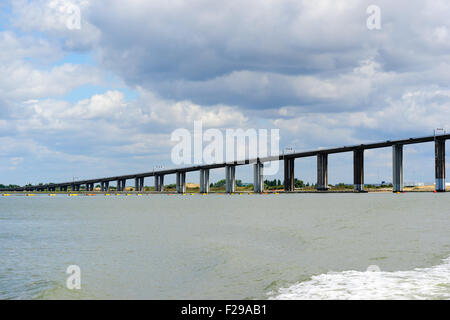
(277,185)
(2,186)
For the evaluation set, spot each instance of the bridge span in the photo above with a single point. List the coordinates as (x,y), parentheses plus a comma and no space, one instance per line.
(258,163)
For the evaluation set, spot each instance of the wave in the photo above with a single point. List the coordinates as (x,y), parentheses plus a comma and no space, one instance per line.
(420,283)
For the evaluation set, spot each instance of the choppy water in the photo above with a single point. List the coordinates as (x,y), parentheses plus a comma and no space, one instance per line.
(297,246)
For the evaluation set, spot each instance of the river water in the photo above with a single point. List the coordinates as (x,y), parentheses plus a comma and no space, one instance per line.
(286,246)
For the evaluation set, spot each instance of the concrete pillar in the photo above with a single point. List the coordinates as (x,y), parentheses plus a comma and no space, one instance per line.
(137,184)
(289,172)
(204,180)
(124,185)
(322,171)
(181,182)
(107,186)
(119,185)
(141,184)
(397,168)
(230,173)
(258,177)
(440,165)
(159,183)
(358,170)
(156,182)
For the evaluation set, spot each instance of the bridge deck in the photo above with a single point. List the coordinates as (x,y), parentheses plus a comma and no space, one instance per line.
(304,154)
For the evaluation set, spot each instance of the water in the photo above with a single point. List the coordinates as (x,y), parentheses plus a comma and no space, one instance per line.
(296,246)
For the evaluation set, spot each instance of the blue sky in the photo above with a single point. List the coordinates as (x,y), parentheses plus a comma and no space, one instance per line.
(104,99)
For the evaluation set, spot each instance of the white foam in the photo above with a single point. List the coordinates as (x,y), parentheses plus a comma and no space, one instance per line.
(420,283)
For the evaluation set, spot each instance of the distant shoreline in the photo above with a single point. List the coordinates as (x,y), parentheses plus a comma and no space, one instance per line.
(430,188)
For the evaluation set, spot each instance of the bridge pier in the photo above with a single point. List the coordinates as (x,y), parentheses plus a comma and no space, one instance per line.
(289,174)
(139,184)
(121,185)
(440,165)
(181,182)
(104,186)
(230,178)
(322,171)
(397,168)
(159,183)
(204,180)
(258,177)
(358,170)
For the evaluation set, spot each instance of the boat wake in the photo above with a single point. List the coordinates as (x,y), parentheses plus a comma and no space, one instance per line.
(420,283)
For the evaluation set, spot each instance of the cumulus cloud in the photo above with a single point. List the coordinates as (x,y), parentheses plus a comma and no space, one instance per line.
(262,54)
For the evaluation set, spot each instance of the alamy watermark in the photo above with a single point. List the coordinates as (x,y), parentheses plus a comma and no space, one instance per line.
(64,12)
(373,268)
(373,22)
(74,17)
(236,145)
(73,281)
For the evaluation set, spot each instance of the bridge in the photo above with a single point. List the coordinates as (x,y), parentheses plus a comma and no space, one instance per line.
(258,163)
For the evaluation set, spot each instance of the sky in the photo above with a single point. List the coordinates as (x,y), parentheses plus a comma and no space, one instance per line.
(102,98)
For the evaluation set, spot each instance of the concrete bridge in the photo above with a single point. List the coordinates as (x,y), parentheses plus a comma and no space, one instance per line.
(258,163)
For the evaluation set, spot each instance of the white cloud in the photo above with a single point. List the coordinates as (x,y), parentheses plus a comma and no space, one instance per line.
(26,83)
